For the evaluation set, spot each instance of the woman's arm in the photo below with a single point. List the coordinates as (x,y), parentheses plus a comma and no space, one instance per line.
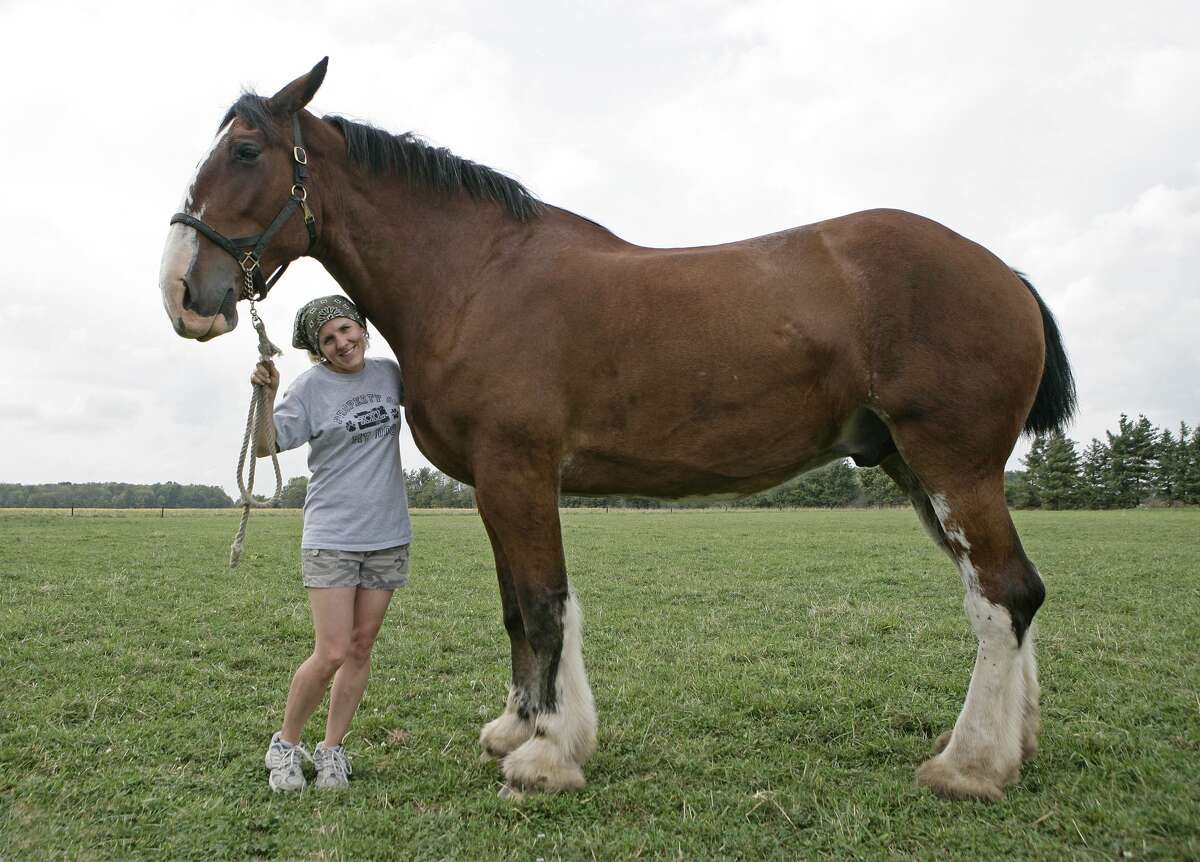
(267,376)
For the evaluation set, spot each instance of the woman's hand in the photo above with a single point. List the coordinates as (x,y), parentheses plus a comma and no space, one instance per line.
(265,374)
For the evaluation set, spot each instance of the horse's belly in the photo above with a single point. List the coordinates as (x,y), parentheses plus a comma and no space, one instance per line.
(728,453)
(597,473)
(721,455)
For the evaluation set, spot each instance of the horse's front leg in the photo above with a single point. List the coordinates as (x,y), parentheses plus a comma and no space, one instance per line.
(520,507)
(515,725)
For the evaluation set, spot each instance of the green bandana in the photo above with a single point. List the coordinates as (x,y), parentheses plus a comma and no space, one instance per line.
(313,315)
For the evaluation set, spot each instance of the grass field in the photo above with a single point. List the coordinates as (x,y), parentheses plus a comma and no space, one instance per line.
(766,684)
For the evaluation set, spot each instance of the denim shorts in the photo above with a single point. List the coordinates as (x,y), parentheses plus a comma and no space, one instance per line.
(385,569)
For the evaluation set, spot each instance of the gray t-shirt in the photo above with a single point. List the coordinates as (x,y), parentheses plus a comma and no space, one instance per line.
(351,422)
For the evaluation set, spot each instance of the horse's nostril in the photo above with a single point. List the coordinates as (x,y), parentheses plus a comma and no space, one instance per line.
(185,300)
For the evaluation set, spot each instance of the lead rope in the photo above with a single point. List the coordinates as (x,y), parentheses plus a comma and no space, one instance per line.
(258,408)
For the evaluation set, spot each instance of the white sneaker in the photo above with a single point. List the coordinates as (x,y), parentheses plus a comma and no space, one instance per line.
(286,763)
(333,769)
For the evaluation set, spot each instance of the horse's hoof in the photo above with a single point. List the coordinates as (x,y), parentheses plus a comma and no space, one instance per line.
(539,766)
(939,744)
(949,780)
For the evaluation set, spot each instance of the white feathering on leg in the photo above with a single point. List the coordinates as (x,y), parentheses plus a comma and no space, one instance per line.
(506,732)
(564,739)
(574,695)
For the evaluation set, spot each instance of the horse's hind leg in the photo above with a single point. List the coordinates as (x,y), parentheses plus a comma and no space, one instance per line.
(997,728)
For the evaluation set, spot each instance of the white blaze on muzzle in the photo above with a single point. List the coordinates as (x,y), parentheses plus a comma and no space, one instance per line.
(179,256)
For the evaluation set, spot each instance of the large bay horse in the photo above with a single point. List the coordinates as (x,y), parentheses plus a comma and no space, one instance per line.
(541,354)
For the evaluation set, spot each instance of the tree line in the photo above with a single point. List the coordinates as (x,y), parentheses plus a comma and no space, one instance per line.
(113,495)
(835,485)
(1138,465)
(427,489)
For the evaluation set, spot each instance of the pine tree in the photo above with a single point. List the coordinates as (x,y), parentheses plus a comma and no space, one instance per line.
(1034,462)
(1189,470)
(1166,471)
(1058,475)
(1131,469)
(1093,477)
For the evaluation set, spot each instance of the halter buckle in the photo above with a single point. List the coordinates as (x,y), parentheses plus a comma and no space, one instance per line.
(300,155)
(249,263)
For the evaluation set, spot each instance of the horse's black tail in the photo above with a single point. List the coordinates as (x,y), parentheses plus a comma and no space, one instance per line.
(1055,403)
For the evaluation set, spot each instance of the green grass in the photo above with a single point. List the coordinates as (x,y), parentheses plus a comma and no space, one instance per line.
(766,684)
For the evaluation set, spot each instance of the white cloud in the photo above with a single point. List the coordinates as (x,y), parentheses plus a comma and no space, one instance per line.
(1127,305)
(1063,136)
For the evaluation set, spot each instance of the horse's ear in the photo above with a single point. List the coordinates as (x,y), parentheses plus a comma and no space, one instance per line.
(297,94)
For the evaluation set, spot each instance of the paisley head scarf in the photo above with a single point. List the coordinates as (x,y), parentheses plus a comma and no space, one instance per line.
(313,315)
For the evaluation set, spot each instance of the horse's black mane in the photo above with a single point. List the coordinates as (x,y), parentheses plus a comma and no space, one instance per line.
(422,164)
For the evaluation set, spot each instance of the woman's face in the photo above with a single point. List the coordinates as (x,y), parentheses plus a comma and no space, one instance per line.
(342,343)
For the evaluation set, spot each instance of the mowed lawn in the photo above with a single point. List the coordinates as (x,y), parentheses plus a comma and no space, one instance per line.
(766,684)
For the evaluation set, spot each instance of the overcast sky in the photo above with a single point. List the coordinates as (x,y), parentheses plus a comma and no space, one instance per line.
(1063,136)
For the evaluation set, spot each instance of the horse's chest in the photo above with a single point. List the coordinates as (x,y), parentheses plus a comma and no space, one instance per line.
(441,435)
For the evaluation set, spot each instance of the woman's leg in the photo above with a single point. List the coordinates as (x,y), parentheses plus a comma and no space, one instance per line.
(333,612)
(350,682)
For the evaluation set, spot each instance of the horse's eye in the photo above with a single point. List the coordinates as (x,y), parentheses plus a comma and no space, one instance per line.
(246,152)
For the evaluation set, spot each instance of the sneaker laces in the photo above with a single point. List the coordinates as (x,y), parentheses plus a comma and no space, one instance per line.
(333,760)
(289,756)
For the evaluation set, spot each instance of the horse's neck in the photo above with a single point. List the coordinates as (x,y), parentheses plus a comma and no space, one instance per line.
(408,250)
(410,255)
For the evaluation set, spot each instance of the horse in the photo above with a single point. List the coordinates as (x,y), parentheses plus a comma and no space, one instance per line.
(542,354)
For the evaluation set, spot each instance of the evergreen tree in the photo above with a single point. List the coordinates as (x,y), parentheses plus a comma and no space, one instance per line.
(1058,474)
(1132,461)
(1093,477)
(1171,454)
(1034,461)
(1189,470)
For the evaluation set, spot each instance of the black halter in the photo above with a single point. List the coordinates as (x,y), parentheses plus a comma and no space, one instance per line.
(248,250)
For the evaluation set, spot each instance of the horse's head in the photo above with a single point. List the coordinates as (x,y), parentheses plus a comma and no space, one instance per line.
(247,196)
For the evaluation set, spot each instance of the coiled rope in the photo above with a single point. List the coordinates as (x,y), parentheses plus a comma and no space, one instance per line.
(258,409)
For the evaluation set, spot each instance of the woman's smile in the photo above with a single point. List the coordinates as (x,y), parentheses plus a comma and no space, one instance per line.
(342,345)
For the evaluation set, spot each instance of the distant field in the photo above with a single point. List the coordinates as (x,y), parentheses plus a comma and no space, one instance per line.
(766,683)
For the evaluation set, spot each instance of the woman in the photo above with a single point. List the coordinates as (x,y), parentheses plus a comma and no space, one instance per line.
(354,551)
